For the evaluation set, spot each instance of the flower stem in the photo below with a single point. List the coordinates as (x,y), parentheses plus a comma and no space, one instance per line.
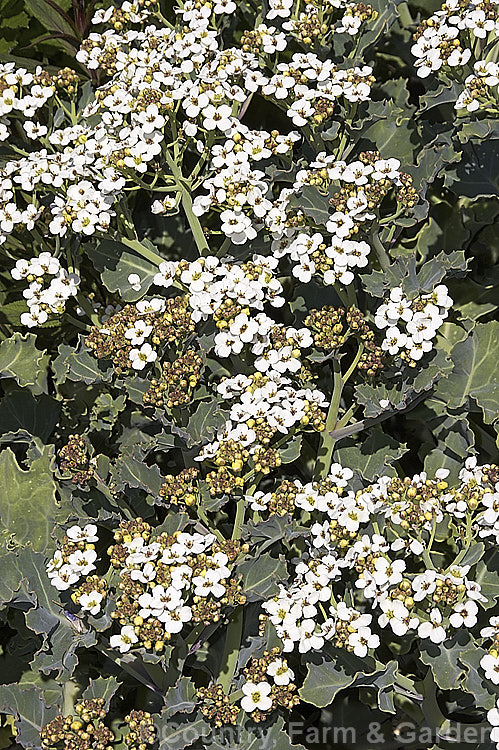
(328,441)
(231,650)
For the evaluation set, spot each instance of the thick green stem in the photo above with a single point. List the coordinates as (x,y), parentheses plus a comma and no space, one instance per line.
(185,188)
(383,257)
(231,650)
(328,441)
(238,521)
(70,691)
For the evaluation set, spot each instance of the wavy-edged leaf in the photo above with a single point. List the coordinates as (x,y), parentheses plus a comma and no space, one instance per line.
(130,470)
(373,456)
(29,507)
(30,711)
(332,673)
(175,734)
(205,421)
(261,576)
(102,687)
(475,371)
(484,693)
(443,659)
(79,365)
(181,698)
(20,359)
(255,737)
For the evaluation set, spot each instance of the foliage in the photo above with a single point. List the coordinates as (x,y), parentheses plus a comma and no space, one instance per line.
(249,408)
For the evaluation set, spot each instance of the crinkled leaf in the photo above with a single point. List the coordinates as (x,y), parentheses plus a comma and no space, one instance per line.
(331,674)
(102,687)
(443,659)
(175,734)
(29,507)
(20,359)
(181,698)
(205,421)
(30,711)
(79,365)
(260,577)
(373,456)
(475,371)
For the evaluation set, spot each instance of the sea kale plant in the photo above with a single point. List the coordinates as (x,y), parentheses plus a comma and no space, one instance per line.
(249,497)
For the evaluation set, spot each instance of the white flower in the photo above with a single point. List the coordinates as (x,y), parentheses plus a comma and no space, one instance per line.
(464,614)
(280,671)
(91,602)
(490,665)
(86,534)
(433,629)
(140,357)
(256,697)
(125,640)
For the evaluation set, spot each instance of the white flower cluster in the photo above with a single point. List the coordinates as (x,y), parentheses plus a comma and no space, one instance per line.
(325,84)
(490,662)
(65,573)
(441,40)
(41,299)
(384,563)
(211,281)
(169,604)
(251,209)
(259,333)
(256,696)
(270,399)
(411,325)
(477,93)
(22,95)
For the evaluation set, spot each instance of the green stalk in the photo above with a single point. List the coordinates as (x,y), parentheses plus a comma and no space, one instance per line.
(383,257)
(238,521)
(327,441)
(70,691)
(354,364)
(231,650)
(185,188)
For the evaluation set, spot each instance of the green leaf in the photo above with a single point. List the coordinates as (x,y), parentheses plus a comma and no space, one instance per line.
(102,687)
(130,470)
(292,450)
(79,366)
(30,711)
(373,456)
(313,203)
(394,133)
(326,678)
(443,658)
(20,359)
(255,737)
(182,732)
(443,94)
(484,692)
(487,575)
(261,576)
(50,17)
(22,411)
(205,422)
(180,699)
(60,641)
(29,508)
(442,265)
(117,260)
(474,372)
